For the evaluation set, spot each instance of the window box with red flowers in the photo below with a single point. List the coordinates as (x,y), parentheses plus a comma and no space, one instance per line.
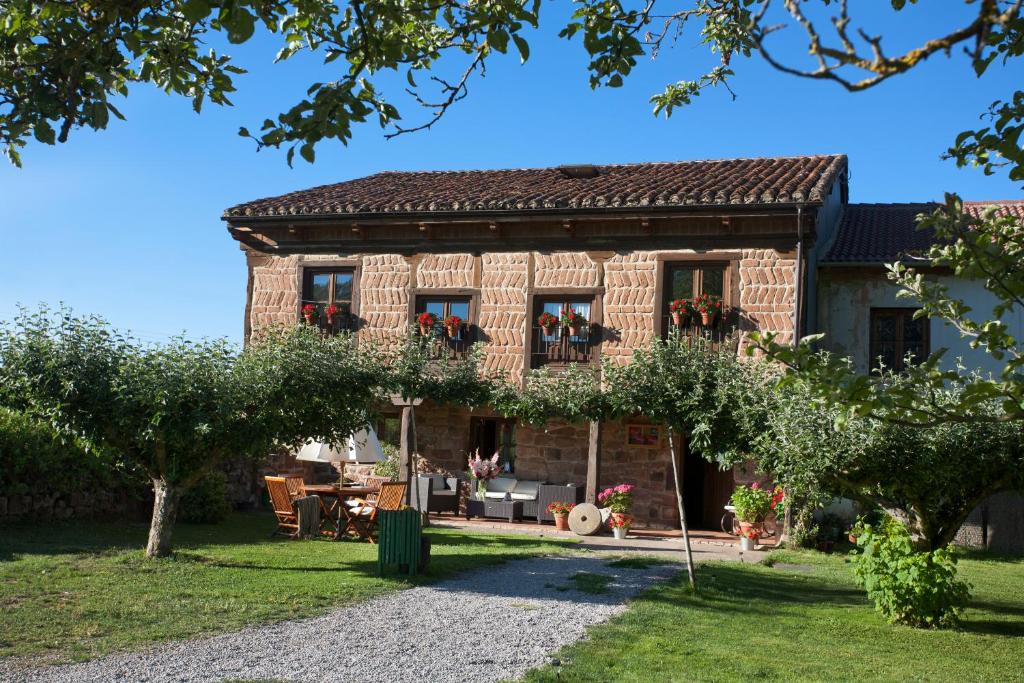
(681,311)
(426,322)
(574,321)
(453,324)
(709,307)
(547,322)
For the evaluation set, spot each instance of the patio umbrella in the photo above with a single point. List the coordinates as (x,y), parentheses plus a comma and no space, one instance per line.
(363,447)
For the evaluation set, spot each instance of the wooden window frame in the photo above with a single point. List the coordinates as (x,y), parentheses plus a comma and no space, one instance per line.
(728,261)
(457,347)
(475,424)
(902,315)
(305,284)
(564,296)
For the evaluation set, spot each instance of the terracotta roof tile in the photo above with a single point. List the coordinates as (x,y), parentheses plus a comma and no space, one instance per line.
(882,233)
(687,183)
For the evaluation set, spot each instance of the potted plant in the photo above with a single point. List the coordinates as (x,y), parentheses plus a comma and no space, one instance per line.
(483,471)
(453,324)
(573,320)
(709,306)
(680,310)
(748,541)
(560,511)
(547,322)
(618,499)
(330,312)
(309,312)
(427,320)
(620,525)
(753,503)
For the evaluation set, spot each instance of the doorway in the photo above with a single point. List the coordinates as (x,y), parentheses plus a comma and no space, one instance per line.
(706,491)
(490,435)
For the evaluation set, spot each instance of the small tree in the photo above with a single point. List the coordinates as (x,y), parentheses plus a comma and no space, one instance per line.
(176,410)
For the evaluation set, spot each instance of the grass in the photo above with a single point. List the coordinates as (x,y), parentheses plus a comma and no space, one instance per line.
(588,582)
(751,622)
(76,591)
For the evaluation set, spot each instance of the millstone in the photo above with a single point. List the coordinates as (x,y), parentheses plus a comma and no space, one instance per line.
(585,519)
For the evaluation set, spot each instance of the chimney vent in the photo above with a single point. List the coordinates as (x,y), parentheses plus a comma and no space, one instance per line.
(579,171)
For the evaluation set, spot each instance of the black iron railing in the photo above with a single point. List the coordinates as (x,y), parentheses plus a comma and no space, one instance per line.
(440,344)
(560,347)
(723,332)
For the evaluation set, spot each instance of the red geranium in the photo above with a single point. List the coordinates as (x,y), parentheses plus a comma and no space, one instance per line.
(547,320)
(308,311)
(427,319)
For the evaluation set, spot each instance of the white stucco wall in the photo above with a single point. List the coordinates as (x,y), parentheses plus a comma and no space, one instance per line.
(847,295)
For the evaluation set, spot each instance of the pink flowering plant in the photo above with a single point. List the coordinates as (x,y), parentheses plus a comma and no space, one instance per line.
(484,469)
(618,498)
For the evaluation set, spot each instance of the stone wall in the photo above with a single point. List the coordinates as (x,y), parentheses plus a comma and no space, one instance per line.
(77,505)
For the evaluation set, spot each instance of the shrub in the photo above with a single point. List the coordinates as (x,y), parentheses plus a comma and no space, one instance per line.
(207,501)
(389,466)
(907,586)
(754,503)
(33,455)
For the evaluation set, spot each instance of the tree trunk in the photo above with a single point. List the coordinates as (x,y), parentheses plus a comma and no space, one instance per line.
(165,510)
(676,471)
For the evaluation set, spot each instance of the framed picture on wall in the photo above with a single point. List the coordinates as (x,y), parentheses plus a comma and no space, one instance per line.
(643,435)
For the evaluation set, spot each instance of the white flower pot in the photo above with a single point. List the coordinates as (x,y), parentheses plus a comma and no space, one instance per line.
(747,544)
(620,532)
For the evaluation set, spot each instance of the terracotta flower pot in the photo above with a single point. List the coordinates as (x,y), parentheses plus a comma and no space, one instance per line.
(574,331)
(424,330)
(453,331)
(549,330)
(562,522)
(707,318)
(677,318)
(747,527)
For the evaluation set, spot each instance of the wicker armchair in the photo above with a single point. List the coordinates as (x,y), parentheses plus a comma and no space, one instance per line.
(437,493)
(554,493)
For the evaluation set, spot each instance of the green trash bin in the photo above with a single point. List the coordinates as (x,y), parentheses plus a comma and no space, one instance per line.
(400,541)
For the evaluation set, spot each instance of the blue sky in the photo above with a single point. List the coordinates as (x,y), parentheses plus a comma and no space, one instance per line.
(126,223)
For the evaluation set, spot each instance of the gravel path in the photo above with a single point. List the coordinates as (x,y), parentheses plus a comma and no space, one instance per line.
(487,625)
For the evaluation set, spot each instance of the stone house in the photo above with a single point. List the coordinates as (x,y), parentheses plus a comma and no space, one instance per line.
(861,318)
(497,248)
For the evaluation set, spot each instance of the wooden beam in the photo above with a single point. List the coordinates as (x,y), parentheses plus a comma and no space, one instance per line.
(425,230)
(593,462)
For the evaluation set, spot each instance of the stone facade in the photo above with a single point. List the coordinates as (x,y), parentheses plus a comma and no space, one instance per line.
(628,306)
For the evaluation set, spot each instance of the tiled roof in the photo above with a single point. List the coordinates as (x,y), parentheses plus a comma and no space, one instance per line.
(882,233)
(686,184)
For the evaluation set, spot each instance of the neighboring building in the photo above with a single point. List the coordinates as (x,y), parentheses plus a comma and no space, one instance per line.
(857,308)
(861,317)
(497,248)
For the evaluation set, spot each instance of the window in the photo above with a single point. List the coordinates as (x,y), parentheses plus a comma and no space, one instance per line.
(490,435)
(558,346)
(894,334)
(688,280)
(322,288)
(443,307)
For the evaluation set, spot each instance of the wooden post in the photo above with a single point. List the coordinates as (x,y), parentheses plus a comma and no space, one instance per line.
(677,472)
(593,462)
(407,447)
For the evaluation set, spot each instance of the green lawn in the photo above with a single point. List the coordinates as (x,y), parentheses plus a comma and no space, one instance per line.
(74,591)
(751,622)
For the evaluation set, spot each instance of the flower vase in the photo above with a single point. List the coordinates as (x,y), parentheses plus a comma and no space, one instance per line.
(549,331)
(561,522)
(707,318)
(620,532)
(481,489)
(748,544)
(574,331)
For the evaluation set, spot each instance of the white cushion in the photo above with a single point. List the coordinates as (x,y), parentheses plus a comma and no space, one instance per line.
(501,485)
(495,495)
(360,510)
(525,488)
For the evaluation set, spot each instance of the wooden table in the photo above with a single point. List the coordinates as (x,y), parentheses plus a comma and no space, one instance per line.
(340,494)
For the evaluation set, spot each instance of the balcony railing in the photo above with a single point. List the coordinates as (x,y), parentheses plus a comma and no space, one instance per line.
(440,344)
(723,333)
(339,322)
(561,348)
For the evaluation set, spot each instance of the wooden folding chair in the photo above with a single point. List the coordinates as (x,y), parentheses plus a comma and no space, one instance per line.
(281,501)
(363,518)
(295,483)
